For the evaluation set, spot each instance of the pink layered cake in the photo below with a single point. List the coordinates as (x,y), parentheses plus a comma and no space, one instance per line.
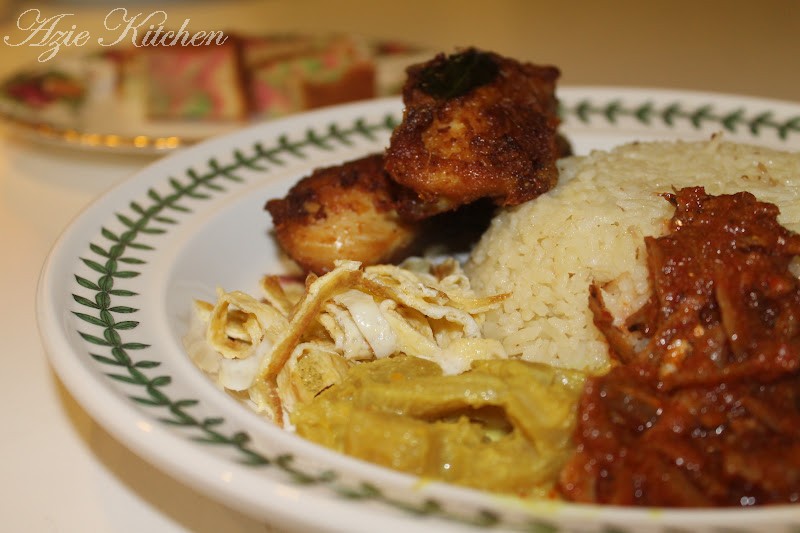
(290,73)
(253,77)
(196,83)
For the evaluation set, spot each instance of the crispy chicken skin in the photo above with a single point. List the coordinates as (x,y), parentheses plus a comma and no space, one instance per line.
(475,125)
(342,212)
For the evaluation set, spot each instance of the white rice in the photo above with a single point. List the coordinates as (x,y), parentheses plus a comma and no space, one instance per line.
(591,227)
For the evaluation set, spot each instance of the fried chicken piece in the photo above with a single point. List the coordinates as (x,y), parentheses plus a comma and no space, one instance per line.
(475,125)
(342,212)
(479,130)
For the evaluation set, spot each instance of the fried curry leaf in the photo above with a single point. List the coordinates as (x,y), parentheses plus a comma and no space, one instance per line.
(457,74)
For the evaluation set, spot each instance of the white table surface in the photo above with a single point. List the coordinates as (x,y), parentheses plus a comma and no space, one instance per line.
(60,471)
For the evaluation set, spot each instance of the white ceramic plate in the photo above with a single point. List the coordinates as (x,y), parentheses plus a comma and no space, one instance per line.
(114,300)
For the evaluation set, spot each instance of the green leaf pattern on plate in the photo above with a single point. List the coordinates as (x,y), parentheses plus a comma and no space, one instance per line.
(647,112)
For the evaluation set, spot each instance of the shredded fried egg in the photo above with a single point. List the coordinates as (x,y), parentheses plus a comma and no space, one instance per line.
(299,339)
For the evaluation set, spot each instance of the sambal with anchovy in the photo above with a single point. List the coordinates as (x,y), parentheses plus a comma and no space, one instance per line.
(702,407)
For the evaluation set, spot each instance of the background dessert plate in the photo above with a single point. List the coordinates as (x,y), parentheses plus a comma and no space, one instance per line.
(157,98)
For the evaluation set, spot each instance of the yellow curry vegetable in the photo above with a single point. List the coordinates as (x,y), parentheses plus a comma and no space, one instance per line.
(504,426)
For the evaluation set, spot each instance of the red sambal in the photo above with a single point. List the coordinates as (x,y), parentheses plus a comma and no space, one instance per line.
(702,406)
